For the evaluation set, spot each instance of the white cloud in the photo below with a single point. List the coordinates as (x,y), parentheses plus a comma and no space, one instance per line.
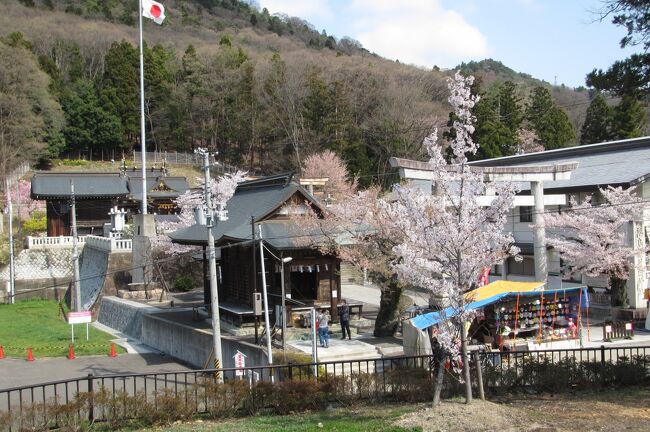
(305,9)
(421,32)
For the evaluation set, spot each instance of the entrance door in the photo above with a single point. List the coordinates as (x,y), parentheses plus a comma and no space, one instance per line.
(304,286)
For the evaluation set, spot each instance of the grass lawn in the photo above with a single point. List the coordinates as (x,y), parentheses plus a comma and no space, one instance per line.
(365,418)
(38,324)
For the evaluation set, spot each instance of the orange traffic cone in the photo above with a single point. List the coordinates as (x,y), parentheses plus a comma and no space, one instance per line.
(2,353)
(112,353)
(30,355)
(71,353)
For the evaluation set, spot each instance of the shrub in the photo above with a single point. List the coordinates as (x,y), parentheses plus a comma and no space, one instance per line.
(224,400)
(36,223)
(410,384)
(183,284)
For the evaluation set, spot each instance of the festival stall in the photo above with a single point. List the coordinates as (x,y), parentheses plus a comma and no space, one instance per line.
(512,313)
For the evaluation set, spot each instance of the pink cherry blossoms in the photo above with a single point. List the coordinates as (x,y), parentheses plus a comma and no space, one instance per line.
(594,238)
(449,237)
(222,189)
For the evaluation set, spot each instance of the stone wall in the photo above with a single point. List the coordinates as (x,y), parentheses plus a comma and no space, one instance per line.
(123,315)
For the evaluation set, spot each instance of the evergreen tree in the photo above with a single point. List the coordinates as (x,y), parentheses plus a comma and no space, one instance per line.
(498,117)
(89,126)
(629,119)
(119,89)
(628,77)
(548,121)
(509,103)
(494,137)
(598,122)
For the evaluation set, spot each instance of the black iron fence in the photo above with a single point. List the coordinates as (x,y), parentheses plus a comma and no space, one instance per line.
(285,388)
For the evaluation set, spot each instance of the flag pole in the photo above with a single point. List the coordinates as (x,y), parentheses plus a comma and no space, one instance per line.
(143,148)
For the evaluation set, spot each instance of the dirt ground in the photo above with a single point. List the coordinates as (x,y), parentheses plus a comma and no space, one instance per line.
(625,409)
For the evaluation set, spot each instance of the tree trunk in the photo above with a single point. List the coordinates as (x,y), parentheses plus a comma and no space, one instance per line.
(465,358)
(388,316)
(440,379)
(618,291)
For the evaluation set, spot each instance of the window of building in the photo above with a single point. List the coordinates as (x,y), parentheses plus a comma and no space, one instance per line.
(525,214)
(525,267)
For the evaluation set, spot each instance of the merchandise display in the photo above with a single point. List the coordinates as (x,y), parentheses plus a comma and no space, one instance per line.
(546,319)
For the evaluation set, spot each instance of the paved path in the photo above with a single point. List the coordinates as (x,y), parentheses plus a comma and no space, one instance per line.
(370,294)
(19,372)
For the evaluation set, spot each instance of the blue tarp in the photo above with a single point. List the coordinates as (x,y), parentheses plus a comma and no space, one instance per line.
(432,318)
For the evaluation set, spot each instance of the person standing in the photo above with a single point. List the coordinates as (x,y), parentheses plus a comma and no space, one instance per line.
(344,317)
(323,328)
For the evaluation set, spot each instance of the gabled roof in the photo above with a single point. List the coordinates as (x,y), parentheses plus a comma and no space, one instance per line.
(158,187)
(258,199)
(624,162)
(48,185)
(86,185)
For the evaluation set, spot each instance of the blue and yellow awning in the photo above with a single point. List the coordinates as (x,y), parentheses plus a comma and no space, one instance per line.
(492,293)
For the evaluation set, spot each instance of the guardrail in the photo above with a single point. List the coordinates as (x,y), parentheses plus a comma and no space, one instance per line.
(53,242)
(98,398)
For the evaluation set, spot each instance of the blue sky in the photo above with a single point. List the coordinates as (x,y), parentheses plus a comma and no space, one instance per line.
(545,38)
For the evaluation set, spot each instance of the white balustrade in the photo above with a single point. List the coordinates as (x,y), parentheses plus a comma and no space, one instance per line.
(109,244)
(60,242)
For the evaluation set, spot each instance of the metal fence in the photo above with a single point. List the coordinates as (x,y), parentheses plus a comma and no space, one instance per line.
(96,398)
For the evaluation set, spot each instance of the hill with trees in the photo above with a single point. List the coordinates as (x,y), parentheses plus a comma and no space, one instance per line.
(266,91)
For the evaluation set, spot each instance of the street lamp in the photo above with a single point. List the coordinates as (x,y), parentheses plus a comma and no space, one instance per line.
(283,261)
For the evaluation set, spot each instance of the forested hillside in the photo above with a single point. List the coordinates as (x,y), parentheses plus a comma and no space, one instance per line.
(265,91)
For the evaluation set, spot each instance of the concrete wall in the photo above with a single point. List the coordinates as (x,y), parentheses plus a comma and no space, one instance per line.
(124,315)
(193,346)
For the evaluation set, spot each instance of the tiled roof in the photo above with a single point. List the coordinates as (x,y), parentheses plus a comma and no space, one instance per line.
(624,162)
(258,199)
(86,185)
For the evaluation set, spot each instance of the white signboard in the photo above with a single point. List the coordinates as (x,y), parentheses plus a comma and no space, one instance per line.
(240,363)
(80,317)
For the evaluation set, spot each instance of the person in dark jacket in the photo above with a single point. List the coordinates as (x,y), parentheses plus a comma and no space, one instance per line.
(344,316)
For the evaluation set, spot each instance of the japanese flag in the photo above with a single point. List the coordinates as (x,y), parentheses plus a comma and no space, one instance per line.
(153,10)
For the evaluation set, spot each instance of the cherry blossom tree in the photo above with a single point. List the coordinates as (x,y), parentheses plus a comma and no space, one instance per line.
(328,165)
(357,230)
(449,237)
(222,189)
(23,202)
(594,238)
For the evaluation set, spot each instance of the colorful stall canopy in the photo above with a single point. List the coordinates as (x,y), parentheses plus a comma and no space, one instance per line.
(493,293)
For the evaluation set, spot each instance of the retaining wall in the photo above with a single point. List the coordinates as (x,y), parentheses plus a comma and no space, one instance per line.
(192,345)
(124,315)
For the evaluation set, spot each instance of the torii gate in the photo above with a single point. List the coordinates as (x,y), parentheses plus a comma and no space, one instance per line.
(536,175)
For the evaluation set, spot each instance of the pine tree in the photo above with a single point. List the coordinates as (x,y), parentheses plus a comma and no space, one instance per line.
(119,89)
(629,119)
(598,122)
(548,121)
(509,104)
(89,126)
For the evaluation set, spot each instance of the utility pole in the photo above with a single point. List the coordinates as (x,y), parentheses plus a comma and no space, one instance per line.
(212,265)
(75,251)
(12,269)
(283,261)
(266,302)
(257,318)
